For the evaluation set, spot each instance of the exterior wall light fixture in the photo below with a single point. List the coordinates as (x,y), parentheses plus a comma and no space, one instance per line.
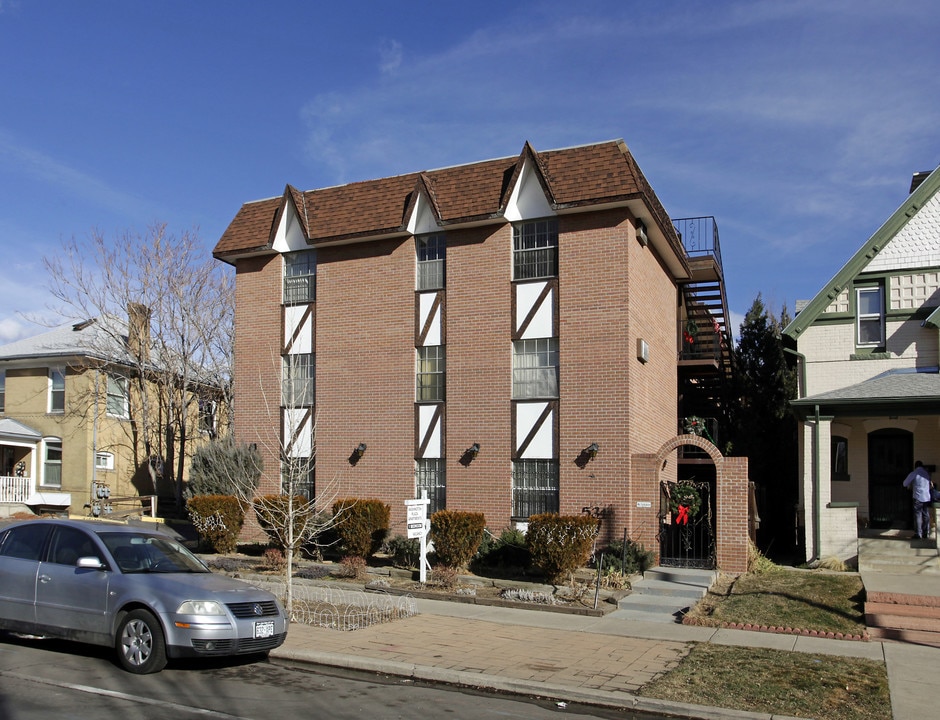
(592,450)
(474,449)
(360,450)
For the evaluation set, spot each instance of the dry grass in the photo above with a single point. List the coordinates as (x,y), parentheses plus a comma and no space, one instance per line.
(778,683)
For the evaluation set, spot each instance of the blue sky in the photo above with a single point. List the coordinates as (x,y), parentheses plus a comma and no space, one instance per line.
(796,124)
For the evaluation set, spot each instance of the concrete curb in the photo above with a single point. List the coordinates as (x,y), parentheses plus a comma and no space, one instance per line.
(560,693)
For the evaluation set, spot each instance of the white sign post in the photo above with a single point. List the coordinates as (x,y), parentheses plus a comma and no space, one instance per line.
(418,527)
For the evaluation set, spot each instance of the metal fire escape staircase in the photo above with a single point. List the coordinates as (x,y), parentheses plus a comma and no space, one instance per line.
(704,340)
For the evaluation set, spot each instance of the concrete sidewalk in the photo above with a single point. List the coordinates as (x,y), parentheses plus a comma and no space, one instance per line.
(571,658)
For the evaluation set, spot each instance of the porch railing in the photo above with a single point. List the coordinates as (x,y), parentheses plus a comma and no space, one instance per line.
(15,489)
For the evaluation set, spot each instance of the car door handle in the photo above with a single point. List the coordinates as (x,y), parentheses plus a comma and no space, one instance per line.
(44,578)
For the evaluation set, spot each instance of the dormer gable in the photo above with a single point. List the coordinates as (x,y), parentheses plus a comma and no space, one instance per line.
(290,227)
(422,215)
(530,193)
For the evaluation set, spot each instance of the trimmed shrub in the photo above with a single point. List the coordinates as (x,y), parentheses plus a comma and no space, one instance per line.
(361,525)
(457,536)
(405,553)
(560,544)
(274,512)
(218,519)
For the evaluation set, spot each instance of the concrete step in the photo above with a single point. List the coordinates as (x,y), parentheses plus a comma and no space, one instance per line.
(664,594)
(913,610)
(884,621)
(915,637)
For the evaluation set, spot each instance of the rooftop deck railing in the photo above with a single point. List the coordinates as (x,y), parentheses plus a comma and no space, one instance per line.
(699,236)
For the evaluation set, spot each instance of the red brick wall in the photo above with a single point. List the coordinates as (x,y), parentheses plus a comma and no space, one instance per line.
(611,291)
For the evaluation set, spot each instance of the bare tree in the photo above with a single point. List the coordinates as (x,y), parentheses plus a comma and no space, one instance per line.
(166,313)
(298,516)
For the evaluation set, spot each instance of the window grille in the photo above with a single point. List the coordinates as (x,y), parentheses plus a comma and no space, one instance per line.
(300,277)
(534,487)
(535,249)
(535,368)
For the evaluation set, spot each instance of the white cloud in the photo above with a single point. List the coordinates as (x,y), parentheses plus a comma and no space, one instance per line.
(390,56)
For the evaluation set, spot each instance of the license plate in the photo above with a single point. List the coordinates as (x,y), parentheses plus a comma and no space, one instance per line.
(264,629)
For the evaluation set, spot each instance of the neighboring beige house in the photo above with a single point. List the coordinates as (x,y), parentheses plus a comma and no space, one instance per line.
(70,431)
(870,388)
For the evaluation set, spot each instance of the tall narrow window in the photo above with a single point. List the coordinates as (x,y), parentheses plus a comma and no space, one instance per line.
(430,374)
(207,417)
(535,249)
(430,251)
(117,396)
(52,464)
(298,380)
(298,477)
(839,458)
(3,390)
(535,368)
(430,480)
(300,277)
(870,316)
(57,390)
(534,487)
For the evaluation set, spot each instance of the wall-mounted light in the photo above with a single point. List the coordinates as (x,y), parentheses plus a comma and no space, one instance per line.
(359,451)
(591,450)
(641,235)
(469,455)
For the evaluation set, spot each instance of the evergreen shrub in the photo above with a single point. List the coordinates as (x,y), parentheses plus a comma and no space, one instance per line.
(218,519)
(361,525)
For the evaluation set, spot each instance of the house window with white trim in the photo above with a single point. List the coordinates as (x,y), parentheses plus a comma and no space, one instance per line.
(57,390)
(535,249)
(430,251)
(300,277)
(535,368)
(534,487)
(207,417)
(52,462)
(117,403)
(870,316)
(104,461)
(3,388)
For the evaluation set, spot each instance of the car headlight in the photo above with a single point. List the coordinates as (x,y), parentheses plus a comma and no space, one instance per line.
(200,607)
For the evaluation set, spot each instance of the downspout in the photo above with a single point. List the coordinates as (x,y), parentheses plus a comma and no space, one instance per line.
(817,491)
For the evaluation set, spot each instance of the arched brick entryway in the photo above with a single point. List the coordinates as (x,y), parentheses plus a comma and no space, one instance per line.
(731,487)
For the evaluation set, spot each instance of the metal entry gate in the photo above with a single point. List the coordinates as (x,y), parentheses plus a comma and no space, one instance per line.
(686,529)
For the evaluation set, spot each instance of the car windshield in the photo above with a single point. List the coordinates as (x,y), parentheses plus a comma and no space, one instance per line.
(138,553)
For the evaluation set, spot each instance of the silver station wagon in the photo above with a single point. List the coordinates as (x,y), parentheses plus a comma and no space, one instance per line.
(136,590)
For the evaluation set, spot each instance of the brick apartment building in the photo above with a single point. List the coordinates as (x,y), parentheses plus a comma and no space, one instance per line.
(510,337)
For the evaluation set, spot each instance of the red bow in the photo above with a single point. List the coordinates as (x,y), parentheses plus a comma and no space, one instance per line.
(682,518)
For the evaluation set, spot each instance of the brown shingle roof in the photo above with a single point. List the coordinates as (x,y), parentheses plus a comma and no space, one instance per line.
(573,177)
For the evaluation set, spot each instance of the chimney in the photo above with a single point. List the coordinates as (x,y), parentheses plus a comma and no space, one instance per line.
(138,331)
(918,178)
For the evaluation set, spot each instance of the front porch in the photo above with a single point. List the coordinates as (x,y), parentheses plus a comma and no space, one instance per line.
(19,493)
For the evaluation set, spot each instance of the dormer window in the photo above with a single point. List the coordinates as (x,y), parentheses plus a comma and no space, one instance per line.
(430,251)
(300,277)
(870,316)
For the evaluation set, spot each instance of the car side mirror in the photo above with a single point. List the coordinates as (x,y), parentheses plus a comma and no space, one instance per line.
(90,563)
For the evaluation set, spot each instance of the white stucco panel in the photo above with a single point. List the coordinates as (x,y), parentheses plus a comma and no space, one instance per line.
(426,310)
(542,446)
(298,424)
(542,324)
(430,422)
(422,220)
(298,329)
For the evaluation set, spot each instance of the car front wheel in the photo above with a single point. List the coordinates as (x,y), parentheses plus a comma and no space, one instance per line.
(140,646)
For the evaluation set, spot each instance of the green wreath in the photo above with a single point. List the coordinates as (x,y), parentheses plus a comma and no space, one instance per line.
(685,494)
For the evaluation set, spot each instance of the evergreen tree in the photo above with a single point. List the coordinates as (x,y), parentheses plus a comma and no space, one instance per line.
(765,429)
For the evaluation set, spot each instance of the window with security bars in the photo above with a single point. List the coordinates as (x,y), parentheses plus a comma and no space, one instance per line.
(535,368)
(430,374)
(430,251)
(298,477)
(535,249)
(430,478)
(297,380)
(300,277)
(534,487)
